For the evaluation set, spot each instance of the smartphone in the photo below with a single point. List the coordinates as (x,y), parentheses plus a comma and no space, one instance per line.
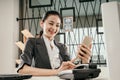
(87,41)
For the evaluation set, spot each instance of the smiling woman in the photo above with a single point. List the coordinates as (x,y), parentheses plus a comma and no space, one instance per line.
(49,60)
(51,26)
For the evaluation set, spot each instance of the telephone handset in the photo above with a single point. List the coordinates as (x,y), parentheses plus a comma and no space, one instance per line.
(83,71)
(86,66)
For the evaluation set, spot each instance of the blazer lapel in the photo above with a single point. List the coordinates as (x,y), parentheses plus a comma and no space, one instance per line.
(42,47)
(60,51)
(63,54)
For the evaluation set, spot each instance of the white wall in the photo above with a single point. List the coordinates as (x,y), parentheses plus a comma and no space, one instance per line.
(111,24)
(9,10)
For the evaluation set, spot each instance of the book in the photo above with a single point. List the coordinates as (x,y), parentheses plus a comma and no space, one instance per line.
(20,44)
(26,33)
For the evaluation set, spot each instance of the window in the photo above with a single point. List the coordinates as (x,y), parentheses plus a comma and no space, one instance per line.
(74,38)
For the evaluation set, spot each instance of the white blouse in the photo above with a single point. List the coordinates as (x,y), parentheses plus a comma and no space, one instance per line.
(53,52)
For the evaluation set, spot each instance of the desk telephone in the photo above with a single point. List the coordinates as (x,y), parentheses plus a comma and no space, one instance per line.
(83,71)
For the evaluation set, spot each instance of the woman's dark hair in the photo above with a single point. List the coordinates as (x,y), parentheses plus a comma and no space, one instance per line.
(48,13)
(41,32)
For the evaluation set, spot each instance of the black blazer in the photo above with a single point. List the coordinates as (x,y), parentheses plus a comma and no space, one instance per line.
(36,49)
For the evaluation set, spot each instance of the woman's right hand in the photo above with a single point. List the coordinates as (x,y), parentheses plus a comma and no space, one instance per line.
(66,65)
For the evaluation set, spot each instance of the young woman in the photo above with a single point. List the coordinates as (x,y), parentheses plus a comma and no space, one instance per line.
(49,57)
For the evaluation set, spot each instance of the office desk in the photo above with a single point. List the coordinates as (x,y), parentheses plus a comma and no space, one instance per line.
(103,76)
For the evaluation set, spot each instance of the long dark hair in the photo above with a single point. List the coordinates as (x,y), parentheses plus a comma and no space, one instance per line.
(47,14)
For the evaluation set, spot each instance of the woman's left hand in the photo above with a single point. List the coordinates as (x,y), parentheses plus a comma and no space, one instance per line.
(84,53)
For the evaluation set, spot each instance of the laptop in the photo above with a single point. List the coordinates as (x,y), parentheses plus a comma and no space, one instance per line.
(14,76)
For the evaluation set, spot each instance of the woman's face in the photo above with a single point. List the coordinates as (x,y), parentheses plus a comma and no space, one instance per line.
(51,26)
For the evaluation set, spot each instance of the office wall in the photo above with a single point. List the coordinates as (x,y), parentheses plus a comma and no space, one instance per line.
(9,10)
(111,24)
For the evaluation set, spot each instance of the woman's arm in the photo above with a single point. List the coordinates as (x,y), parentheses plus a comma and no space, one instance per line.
(37,71)
(45,72)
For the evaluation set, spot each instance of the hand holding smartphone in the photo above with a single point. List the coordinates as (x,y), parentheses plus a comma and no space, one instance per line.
(86,41)
(87,53)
